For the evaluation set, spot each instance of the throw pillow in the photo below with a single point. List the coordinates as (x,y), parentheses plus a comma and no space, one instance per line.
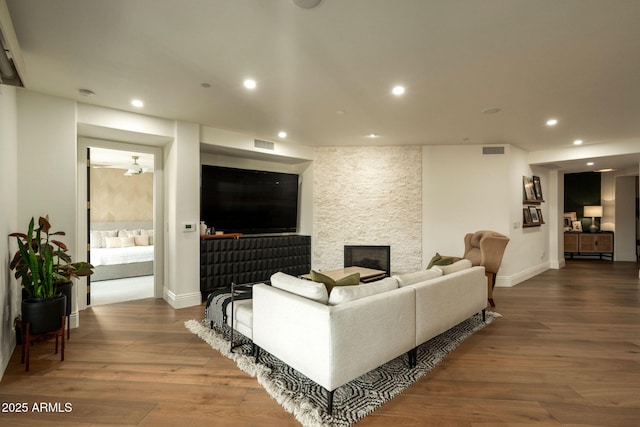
(127,242)
(329,283)
(439,260)
(112,242)
(141,240)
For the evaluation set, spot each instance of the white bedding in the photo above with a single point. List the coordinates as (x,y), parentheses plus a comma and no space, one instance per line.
(111,256)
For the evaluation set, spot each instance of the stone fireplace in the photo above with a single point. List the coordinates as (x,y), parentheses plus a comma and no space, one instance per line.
(376,257)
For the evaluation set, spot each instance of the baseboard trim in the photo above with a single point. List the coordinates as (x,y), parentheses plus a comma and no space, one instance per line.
(509,281)
(183,300)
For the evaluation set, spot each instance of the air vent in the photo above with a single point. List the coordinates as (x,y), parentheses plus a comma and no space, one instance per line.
(492,150)
(265,145)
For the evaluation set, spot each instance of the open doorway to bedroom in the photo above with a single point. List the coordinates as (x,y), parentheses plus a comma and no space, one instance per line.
(120,216)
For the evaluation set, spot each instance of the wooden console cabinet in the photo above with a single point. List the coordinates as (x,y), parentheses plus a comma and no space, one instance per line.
(589,244)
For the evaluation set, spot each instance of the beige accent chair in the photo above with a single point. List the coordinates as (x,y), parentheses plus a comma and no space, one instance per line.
(486,248)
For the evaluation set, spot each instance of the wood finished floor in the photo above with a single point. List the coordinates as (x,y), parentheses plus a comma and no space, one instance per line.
(566,352)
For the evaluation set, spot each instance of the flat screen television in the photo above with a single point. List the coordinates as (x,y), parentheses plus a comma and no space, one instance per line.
(248,201)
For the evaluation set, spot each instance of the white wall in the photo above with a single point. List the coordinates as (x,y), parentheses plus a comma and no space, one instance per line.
(182,160)
(10,294)
(465,191)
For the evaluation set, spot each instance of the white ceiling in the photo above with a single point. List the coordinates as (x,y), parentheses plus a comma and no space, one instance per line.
(324,75)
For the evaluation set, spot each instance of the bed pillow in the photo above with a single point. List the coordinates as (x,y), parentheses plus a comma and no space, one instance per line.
(417,276)
(147,233)
(113,242)
(304,288)
(141,240)
(98,238)
(342,294)
(127,242)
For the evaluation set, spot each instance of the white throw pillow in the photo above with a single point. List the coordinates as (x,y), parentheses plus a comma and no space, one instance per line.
(127,242)
(417,276)
(141,240)
(463,264)
(97,239)
(113,242)
(305,288)
(342,294)
(147,233)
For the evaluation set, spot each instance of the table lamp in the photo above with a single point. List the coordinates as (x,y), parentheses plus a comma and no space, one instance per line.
(593,212)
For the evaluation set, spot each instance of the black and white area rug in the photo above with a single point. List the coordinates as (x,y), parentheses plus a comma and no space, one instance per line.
(352,401)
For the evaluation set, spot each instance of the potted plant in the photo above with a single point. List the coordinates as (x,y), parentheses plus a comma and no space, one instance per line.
(44,268)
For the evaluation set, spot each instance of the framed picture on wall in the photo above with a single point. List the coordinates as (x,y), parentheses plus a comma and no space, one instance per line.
(535,219)
(540,216)
(537,188)
(526,215)
(529,192)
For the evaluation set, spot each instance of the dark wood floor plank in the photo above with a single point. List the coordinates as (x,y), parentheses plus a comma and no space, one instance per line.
(565,352)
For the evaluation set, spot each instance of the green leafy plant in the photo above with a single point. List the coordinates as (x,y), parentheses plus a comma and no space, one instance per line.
(41,263)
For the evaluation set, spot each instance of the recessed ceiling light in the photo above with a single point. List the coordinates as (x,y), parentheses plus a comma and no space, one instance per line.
(340,112)
(373,135)
(590,164)
(606,170)
(282,134)
(250,84)
(492,110)
(307,4)
(137,103)
(552,122)
(86,92)
(577,142)
(398,90)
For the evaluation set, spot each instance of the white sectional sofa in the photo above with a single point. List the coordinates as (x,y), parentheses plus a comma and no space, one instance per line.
(335,339)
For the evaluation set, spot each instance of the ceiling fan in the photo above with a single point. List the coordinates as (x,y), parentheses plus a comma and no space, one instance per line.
(134,168)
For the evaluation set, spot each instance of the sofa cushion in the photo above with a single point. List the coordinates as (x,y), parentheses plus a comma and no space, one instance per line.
(304,288)
(417,276)
(329,283)
(342,294)
(456,266)
(439,260)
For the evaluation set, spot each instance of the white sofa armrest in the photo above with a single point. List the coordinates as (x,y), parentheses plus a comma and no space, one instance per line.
(332,345)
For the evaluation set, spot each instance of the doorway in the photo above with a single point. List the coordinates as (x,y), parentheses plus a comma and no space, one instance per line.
(120,225)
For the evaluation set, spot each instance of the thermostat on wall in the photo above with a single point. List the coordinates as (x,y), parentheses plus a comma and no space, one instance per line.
(189,226)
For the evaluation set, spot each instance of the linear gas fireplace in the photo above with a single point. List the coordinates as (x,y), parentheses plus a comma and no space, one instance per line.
(376,257)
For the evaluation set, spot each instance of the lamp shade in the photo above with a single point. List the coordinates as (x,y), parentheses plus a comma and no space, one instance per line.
(593,211)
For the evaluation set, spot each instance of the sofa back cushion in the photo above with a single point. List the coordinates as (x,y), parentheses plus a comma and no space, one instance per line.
(341,294)
(417,276)
(462,264)
(305,288)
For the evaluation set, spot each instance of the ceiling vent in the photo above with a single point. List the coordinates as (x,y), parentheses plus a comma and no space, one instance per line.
(492,150)
(265,145)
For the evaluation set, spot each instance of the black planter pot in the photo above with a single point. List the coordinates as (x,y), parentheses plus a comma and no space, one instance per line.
(44,314)
(66,289)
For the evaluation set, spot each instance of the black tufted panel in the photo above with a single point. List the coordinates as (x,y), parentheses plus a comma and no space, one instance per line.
(251,259)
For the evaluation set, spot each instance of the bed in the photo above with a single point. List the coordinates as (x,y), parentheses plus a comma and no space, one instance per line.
(121,249)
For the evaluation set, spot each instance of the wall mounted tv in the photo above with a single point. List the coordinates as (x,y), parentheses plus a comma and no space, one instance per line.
(248,201)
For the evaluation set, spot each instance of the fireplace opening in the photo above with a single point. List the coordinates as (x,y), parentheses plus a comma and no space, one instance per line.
(375,257)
